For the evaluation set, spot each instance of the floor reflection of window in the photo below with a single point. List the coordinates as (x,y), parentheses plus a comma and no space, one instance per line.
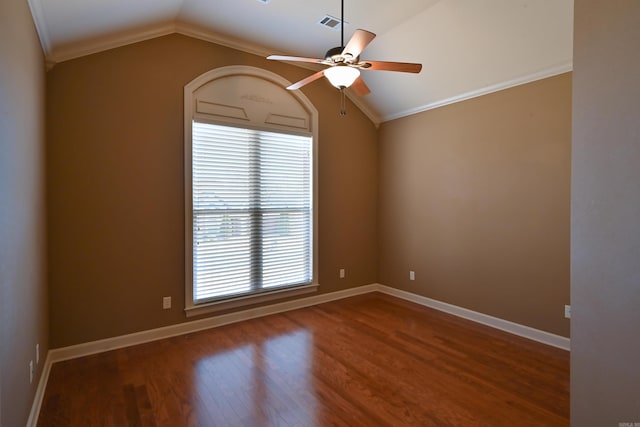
(265,382)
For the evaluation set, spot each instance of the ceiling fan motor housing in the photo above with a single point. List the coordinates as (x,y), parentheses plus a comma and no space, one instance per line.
(335,55)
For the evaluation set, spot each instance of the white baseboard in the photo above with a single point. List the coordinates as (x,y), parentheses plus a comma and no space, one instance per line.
(504,325)
(93,347)
(32,421)
(107,344)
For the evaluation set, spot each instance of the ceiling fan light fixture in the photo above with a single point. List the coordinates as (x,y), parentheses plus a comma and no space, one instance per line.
(342,76)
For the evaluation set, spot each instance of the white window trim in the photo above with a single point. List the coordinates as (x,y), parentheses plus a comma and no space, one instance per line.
(192,309)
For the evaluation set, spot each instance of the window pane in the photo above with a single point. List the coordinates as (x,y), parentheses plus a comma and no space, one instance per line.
(221,254)
(252,211)
(286,248)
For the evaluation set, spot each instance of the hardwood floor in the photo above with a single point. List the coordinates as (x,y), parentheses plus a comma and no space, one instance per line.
(371,360)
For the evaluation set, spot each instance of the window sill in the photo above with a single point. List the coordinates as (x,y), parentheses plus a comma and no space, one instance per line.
(215,306)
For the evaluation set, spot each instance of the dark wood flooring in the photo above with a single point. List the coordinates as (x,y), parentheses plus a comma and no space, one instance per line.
(371,360)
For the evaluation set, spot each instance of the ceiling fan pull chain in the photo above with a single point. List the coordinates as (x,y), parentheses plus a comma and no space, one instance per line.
(343,103)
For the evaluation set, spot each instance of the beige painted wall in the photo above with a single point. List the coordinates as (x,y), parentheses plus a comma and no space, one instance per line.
(605,215)
(23,291)
(474,197)
(115,185)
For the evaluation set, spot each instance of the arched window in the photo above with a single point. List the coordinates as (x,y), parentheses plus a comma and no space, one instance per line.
(250,190)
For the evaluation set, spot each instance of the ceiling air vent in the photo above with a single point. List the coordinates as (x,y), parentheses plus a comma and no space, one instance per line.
(264,1)
(330,22)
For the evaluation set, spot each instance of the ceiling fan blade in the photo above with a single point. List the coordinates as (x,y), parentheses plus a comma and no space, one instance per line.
(405,67)
(359,40)
(311,78)
(294,58)
(360,88)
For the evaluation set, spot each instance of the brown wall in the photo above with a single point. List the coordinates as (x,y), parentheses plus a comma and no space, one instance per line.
(605,215)
(474,197)
(23,291)
(115,175)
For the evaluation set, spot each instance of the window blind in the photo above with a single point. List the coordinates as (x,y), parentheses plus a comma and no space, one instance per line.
(252,211)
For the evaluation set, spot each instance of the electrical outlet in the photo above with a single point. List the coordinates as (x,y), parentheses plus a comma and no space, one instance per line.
(342,273)
(37,354)
(166,303)
(412,275)
(30,371)
(567,311)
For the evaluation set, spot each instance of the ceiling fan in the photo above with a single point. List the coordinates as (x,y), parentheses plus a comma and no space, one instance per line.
(345,64)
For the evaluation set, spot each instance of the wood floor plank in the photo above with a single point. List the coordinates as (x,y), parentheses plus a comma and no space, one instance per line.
(371,360)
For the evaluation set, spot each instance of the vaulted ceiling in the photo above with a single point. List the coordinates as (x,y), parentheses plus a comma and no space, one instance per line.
(467,47)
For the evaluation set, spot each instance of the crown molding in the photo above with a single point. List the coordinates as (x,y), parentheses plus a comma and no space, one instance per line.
(54,56)
(77,50)
(37,13)
(543,74)
(96,45)
(191,31)
(209,36)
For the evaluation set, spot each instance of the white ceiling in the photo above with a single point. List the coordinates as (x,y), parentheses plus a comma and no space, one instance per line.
(467,47)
